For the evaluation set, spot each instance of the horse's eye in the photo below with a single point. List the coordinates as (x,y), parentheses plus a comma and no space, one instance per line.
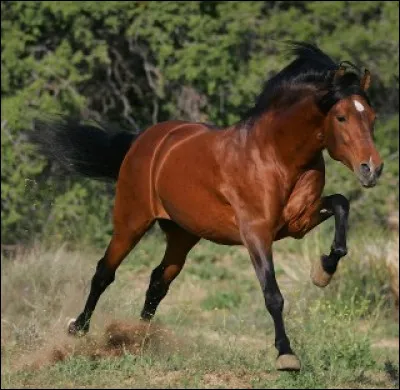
(341,118)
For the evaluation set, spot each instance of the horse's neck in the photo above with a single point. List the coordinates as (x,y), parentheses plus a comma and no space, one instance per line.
(292,133)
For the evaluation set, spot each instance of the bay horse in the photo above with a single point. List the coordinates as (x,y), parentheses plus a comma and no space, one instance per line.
(252,183)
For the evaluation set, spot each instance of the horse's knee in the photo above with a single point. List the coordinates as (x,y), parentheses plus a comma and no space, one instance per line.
(342,201)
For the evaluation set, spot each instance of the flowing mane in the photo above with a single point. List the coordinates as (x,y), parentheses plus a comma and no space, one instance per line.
(311,71)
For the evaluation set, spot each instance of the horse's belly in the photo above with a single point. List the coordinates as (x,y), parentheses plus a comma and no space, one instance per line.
(212,222)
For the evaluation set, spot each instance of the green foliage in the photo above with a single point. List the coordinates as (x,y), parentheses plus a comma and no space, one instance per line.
(137,63)
(221,300)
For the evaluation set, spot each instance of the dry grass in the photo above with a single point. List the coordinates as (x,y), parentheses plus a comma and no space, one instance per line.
(392,262)
(210,331)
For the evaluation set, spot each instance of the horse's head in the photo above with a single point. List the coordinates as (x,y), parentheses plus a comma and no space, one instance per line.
(349,127)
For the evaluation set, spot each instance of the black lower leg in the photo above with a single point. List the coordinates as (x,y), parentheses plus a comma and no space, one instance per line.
(102,278)
(274,303)
(340,208)
(157,290)
(264,267)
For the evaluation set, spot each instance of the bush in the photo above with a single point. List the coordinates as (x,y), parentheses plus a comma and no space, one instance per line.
(138,63)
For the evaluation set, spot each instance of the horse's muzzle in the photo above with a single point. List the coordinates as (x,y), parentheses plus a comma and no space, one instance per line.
(368,174)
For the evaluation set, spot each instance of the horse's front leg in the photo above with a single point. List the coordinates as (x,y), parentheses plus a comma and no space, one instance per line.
(258,241)
(300,223)
(323,270)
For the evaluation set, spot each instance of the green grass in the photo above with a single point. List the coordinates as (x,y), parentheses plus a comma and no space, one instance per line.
(212,328)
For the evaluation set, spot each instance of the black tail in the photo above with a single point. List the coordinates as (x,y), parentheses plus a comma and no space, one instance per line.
(83,149)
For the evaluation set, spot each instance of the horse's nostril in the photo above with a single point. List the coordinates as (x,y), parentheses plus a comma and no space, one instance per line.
(365,169)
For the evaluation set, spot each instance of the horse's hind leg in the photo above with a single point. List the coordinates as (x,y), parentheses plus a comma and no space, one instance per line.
(179,243)
(122,242)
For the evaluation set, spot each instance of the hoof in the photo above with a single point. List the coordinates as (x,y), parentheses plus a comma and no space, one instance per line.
(74,330)
(288,363)
(319,276)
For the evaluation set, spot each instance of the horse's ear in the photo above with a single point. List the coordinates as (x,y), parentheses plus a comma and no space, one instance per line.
(339,73)
(366,80)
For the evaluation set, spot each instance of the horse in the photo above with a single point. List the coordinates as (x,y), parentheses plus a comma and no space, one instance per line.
(252,183)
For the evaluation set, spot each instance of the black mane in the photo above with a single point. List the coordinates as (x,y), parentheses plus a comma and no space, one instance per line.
(311,69)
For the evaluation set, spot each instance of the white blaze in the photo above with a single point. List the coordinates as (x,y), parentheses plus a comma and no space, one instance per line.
(359,106)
